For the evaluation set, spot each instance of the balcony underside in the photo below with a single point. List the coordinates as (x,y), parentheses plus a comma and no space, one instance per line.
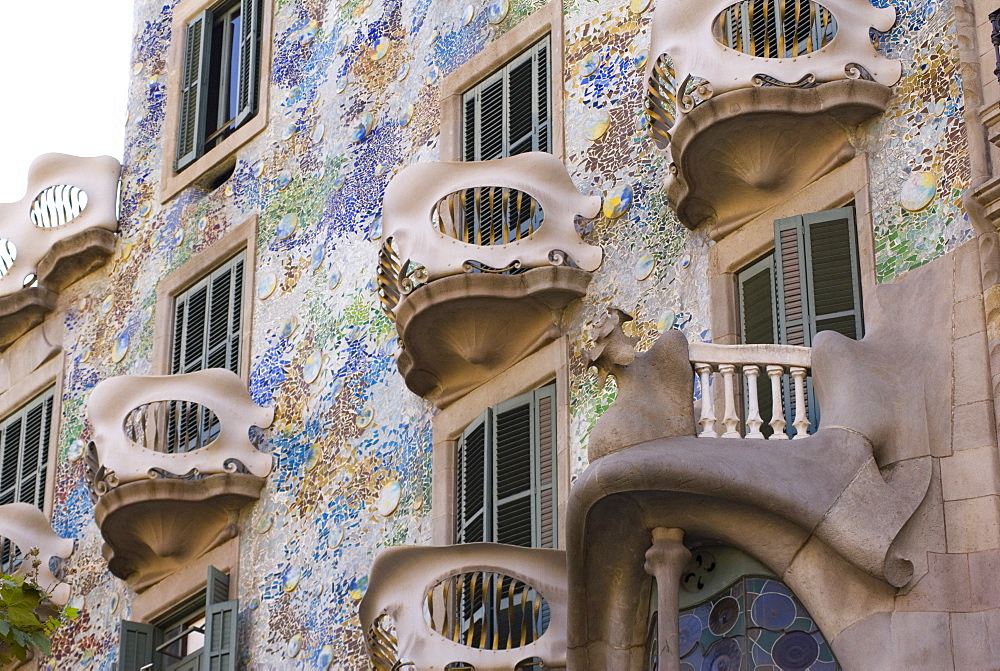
(152,528)
(458,332)
(22,311)
(739,153)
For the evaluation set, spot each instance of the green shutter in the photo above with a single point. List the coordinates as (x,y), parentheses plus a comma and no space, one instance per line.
(138,642)
(546,492)
(220,651)
(755,288)
(472,483)
(216,588)
(790,269)
(516,453)
(191,122)
(249,71)
(832,269)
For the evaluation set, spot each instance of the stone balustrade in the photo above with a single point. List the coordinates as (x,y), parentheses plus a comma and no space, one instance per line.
(735,363)
(26,528)
(480,605)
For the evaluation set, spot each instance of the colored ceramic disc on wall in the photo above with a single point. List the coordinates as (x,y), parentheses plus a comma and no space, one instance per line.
(918,191)
(497,10)
(388,498)
(266,285)
(644,267)
(618,201)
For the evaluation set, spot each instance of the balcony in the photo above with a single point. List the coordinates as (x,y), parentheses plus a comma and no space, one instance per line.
(170,466)
(835,509)
(481,606)
(63,229)
(24,528)
(753,100)
(478,261)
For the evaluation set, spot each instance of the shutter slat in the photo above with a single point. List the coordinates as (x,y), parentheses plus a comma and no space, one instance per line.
(249,66)
(137,644)
(191,122)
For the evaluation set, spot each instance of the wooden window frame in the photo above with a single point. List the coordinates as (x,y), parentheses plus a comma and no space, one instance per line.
(547,20)
(202,264)
(532,372)
(217,160)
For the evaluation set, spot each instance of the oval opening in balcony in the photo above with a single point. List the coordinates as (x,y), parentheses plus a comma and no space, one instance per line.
(57,206)
(8,253)
(487,215)
(171,426)
(775,28)
(486,610)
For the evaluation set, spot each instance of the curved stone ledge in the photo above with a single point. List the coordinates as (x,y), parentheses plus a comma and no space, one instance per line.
(22,311)
(71,258)
(153,527)
(737,154)
(460,331)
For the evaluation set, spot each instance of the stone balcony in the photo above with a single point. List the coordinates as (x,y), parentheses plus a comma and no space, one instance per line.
(753,100)
(478,261)
(24,529)
(482,606)
(170,466)
(63,229)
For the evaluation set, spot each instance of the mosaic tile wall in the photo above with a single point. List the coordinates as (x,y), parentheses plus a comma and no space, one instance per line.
(353,99)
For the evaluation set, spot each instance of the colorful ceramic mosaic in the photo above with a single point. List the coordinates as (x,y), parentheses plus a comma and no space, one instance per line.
(353,95)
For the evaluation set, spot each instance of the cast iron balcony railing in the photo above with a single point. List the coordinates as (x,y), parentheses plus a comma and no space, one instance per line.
(481,606)
(170,465)
(475,250)
(60,231)
(750,99)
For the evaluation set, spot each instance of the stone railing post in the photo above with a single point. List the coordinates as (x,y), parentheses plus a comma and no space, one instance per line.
(665,561)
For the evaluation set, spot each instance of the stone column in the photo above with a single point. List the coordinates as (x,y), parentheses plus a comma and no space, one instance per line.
(665,561)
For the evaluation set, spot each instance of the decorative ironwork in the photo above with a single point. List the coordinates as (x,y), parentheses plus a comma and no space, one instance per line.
(775,28)
(487,215)
(472,266)
(806,82)
(396,277)
(99,479)
(994,17)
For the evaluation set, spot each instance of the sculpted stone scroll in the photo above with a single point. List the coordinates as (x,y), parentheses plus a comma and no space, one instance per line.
(26,526)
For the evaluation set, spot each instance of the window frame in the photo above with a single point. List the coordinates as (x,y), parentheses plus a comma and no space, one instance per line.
(243,238)
(217,159)
(531,373)
(545,21)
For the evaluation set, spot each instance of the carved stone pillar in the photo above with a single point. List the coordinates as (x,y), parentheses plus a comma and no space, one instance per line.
(665,561)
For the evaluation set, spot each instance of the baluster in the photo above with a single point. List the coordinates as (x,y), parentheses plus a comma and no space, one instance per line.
(707,420)
(754,422)
(730,419)
(801,422)
(778,411)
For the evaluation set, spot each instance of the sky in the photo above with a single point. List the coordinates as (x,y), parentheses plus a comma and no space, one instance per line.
(64,69)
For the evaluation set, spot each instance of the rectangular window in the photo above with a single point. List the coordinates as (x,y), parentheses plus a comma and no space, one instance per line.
(221,70)
(208,330)
(810,283)
(24,461)
(506,491)
(200,634)
(508,113)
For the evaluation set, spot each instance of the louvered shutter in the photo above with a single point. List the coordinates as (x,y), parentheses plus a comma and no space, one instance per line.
(833,274)
(249,67)
(546,498)
(220,651)
(217,587)
(515,457)
(194,90)
(472,483)
(790,269)
(759,324)
(137,645)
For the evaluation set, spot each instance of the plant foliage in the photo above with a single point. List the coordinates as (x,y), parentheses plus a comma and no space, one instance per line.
(27,618)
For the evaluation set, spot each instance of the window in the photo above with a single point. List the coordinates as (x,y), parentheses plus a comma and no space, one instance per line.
(200,633)
(810,283)
(508,113)
(207,333)
(24,463)
(220,76)
(505,470)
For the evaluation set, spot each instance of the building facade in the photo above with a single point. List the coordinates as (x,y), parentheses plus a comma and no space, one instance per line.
(610,334)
